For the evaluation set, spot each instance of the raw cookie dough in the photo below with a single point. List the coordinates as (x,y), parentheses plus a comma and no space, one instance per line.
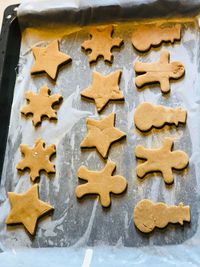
(101,183)
(27,208)
(149,35)
(148,215)
(40,105)
(148,116)
(48,59)
(161,160)
(103,89)
(101,134)
(101,43)
(37,158)
(160,71)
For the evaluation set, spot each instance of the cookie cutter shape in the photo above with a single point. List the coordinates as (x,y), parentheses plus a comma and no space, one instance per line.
(160,71)
(41,105)
(149,35)
(37,158)
(148,215)
(48,59)
(103,89)
(101,134)
(101,43)
(101,183)
(148,116)
(162,160)
(26,209)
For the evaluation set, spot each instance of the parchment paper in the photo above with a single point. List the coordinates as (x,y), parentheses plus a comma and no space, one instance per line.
(79,224)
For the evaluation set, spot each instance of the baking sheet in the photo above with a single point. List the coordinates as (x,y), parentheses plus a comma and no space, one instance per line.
(85,222)
(78,224)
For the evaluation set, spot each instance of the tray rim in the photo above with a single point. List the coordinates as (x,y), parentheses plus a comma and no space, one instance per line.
(9,24)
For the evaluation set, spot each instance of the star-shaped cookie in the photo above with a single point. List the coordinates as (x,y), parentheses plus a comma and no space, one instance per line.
(27,208)
(37,158)
(103,89)
(48,59)
(101,134)
(40,105)
(101,43)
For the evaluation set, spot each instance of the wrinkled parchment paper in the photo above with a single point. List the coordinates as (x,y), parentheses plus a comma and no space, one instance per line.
(81,224)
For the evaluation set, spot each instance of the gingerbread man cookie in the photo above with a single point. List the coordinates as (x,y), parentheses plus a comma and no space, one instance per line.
(37,158)
(162,160)
(49,59)
(148,116)
(101,183)
(101,43)
(26,209)
(101,134)
(149,35)
(103,89)
(160,71)
(148,215)
(41,105)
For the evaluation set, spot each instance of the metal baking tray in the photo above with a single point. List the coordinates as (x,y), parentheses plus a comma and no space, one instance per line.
(9,56)
(84,223)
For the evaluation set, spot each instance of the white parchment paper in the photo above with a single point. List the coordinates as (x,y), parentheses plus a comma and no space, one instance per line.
(75,224)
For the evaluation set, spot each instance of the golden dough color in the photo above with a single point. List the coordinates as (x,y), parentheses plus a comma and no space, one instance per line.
(148,215)
(101,134)
(149,35)
(101,43)
(103,89)
(148,115)
(27,208)
(160,71)
(48,59)
(101,183)
(37,158)
(40,105)
(161,159)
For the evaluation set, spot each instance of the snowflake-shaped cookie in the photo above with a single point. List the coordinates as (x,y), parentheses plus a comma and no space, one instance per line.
(101,43)
(37,158)
(40,105)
